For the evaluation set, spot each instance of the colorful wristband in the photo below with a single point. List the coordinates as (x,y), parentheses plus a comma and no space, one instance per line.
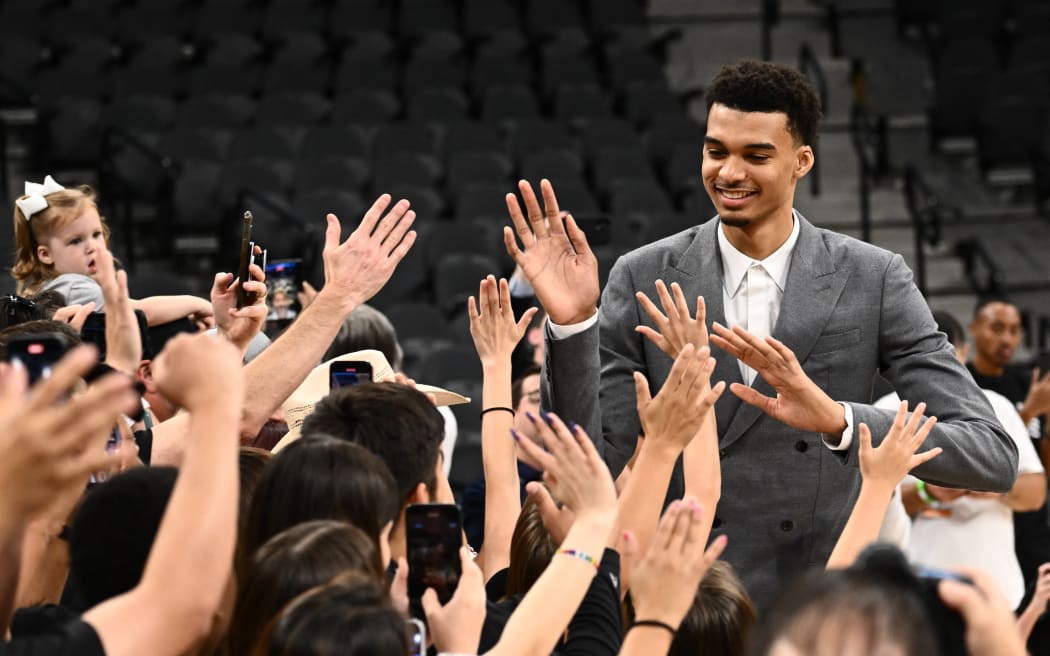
(924,494)
(585,557)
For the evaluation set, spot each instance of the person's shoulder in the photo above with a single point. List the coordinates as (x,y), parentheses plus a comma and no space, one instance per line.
(669,249)
(843,247)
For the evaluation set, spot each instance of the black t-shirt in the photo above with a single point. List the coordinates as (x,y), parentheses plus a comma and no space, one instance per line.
(75,638)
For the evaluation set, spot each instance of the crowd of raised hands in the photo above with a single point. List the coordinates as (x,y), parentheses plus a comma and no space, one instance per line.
(615,544)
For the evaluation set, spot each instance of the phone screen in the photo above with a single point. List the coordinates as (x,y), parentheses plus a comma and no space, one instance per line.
(38,353)
(342,373)
(434,534)
(282,288)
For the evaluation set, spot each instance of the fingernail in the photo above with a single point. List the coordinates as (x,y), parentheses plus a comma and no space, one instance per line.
(515,435)
(531,417)
(545,416)
(573,426)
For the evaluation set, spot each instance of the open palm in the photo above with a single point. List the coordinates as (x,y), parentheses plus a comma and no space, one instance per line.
(555,257)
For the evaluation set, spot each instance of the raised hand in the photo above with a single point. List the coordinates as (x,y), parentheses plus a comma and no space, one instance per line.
(681,407)
(576,473)
(665,580)
(492,325)
(356,269)
(556,519)
(123,341)
(884,466)
(52,445)
(240,325)
(990,624)
(555,257)
(676,327)
(75,315)
(1037,401)
(456,626)
(799,402)
(193,371)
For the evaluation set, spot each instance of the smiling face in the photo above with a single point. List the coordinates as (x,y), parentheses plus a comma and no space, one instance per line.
(751,165)
(73,246)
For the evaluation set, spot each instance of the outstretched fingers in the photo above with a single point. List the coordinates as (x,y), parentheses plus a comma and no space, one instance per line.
(537,220)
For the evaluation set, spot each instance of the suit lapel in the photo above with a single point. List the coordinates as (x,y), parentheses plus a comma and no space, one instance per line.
(810,296)
(699,272)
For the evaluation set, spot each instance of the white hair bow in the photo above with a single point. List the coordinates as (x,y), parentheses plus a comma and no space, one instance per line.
(34,201)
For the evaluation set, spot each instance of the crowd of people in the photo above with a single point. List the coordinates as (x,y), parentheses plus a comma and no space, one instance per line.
(698,466)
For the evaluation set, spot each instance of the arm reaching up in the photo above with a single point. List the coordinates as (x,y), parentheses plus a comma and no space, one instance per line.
(582,482)
(495,335)
(882,469)
(190,563)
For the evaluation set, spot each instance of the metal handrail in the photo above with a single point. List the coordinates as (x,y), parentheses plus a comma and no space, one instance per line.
(811,68)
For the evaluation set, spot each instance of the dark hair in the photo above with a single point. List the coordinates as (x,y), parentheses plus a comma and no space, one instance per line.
(720,619)
(950,326)
(252,462)
(292,562)
(349,616)
(531,549)
(37,326)
(876,602)
(367,328)
(49,301)
(320,478)
(17,309)
(516,387)
(393,421)
(758,86)
(113,531)
(985,301)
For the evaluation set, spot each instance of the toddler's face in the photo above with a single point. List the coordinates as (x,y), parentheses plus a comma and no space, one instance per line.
(72,248)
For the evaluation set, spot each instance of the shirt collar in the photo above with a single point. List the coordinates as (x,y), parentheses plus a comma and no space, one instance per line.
(735,264)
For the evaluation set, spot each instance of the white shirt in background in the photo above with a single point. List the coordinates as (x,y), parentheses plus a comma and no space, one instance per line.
(980,532)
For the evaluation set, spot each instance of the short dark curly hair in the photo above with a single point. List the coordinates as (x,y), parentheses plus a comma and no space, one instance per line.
(758,86)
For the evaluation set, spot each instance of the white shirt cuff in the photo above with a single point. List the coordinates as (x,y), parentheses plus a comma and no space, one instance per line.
(567,331)
(847,435)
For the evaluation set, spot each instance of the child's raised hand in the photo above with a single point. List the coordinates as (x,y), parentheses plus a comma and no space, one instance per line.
(492,322)
(572,467)
(887,464)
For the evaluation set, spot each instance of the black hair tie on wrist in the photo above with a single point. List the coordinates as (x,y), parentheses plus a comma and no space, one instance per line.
(495,408)
(657,624)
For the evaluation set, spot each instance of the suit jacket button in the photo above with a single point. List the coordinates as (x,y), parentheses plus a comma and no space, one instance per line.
(787,525)
(722,453)
(801,446)
(717,522)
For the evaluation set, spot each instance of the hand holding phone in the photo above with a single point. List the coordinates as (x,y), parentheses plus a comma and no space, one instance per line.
(433,534)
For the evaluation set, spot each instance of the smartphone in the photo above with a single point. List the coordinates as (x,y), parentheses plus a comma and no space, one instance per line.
(247,253)
(597,229)
(112,444)
(38,353)
(433,534)
(417,637)
(94,332)
(1043,363)
(342,373)
(283,280)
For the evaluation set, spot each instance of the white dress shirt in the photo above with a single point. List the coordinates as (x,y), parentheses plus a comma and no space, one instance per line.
(751,296)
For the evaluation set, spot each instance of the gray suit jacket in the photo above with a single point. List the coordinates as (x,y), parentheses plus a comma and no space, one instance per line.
(849,310)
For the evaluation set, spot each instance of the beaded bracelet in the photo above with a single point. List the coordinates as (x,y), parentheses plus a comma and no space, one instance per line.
(585,557)
(495,408)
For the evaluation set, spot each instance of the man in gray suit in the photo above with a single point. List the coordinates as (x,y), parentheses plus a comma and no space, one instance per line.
(813,316)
